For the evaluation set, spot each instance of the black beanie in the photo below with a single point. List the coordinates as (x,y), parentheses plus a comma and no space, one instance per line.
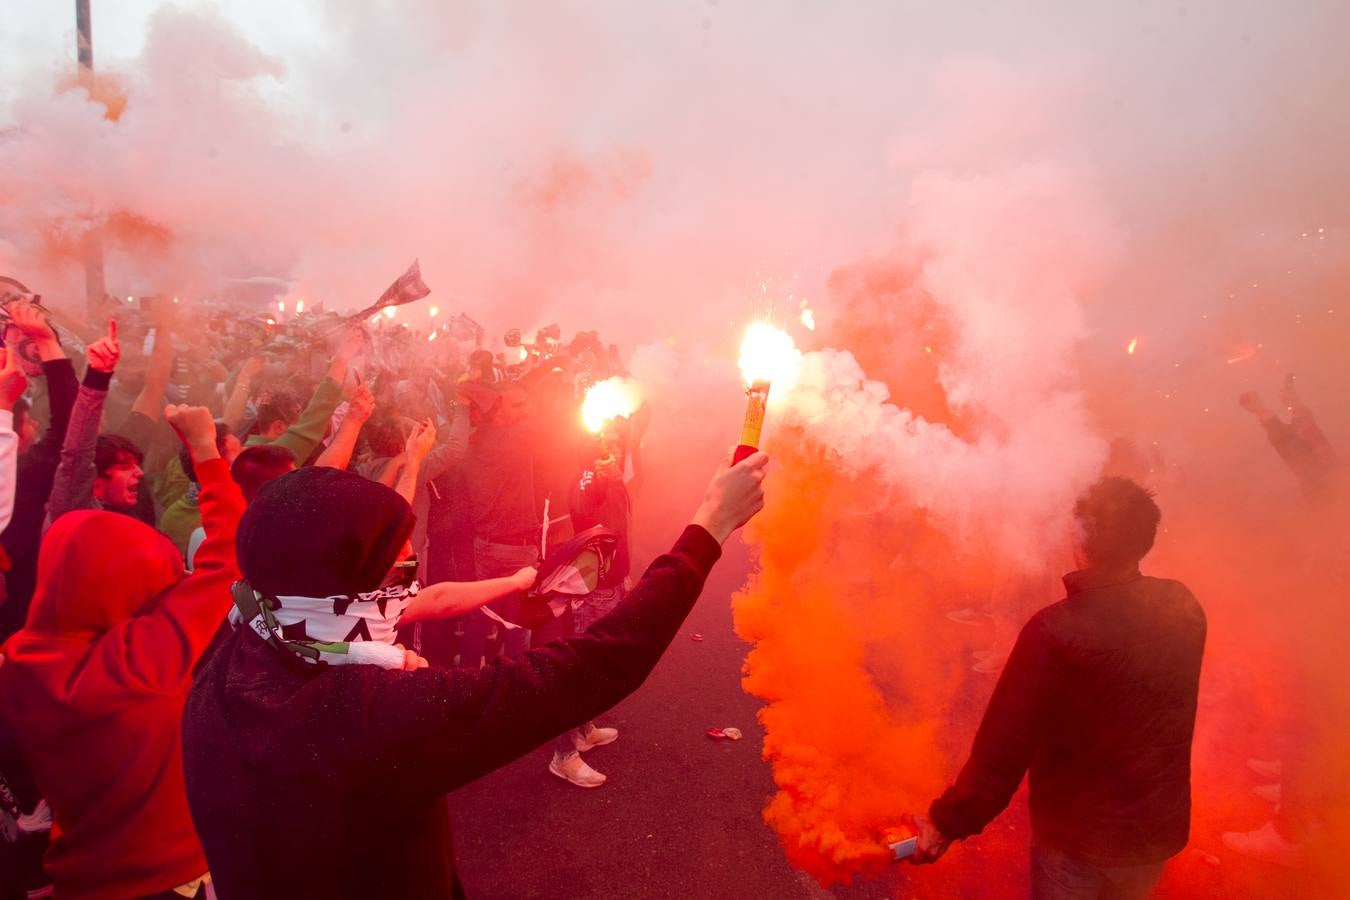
(320,532)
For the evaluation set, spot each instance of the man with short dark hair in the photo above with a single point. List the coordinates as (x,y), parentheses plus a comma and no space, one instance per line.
(1097,702)
(255,466)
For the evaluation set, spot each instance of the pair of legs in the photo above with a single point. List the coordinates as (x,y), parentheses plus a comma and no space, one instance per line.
(568,747)
(1057,876)
(483,638)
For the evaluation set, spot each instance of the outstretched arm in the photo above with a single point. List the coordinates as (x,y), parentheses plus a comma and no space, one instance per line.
(442,728)
(453,598)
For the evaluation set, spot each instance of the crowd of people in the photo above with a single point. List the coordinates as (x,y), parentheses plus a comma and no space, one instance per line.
(274,586)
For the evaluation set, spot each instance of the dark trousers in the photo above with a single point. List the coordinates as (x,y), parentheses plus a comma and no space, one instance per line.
(1057,876)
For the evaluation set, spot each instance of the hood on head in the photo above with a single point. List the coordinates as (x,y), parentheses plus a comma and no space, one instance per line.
(319,532)
(97,569)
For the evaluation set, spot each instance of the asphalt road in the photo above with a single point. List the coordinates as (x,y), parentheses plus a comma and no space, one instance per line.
(680,813)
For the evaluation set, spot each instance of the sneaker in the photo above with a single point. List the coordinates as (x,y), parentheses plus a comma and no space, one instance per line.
(969,616)
(1266,768)
(1265,844)
(1268,792)
(574,769)
(592,737)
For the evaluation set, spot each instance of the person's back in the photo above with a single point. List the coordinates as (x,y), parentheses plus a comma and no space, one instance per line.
(301,753)
(1110,780)
(1097,702)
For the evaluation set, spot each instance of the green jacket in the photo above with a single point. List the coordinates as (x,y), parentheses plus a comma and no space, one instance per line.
(302,437)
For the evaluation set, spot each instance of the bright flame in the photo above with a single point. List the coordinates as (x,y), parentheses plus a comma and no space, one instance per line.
(432,336)
(175,299)
(608,400)
(809,319)
(281,307)
(435,311)
(271,321)
(131,299)
(768,354)
(299,307)
(389,312)
(1134,342)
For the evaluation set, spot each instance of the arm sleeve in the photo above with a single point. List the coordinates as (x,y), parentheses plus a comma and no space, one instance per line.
(302,437)
(158,650)
(9,460)
(452,452)
(438,729)
(62,387)
(73,487)
(1005,741)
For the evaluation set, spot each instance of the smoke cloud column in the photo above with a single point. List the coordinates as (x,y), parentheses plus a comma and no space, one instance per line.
(882,520)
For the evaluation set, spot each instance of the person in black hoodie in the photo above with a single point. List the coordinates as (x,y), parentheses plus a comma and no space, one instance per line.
(37,462)
(307,778)
(1097,702)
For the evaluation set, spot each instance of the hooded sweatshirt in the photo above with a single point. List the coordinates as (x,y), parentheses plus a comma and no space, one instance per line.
(329,781)
(94,687)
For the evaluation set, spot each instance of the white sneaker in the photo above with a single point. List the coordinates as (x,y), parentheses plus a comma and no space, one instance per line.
(574,769)
(1269,792)
(1266,768)
(594,737)
(1265,844)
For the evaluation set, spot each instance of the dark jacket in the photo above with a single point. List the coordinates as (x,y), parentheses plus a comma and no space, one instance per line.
(595,500)
(36,470)
(1098,702)
(309,782)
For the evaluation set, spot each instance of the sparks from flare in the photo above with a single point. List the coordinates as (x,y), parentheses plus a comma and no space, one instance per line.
(608,400)
(1134,342)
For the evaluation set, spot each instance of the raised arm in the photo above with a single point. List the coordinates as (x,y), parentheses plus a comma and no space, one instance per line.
(236,405)
(446,727)
(73,487)
(338,453)
(12,385)
(453,598)
(162,646)
(149,402)
(418,446)
(61,382)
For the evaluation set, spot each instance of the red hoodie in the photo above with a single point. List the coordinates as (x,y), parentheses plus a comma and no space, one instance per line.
(94,686)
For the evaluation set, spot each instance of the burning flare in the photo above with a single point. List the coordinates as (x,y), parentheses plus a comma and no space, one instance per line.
(769,355)
(607,400)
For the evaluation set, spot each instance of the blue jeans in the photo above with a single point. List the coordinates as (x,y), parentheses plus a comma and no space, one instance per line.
(1058,876)
(484,639)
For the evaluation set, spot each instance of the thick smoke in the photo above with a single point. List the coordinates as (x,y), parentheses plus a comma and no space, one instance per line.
(984,206)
